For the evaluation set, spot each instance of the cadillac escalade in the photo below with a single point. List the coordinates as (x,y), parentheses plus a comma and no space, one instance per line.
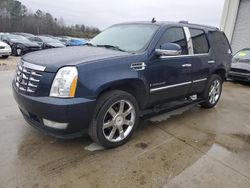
(121,75)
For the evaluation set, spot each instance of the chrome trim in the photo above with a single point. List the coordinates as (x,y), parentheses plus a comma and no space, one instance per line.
(138,66)
(189,40)
(211,62)
(34,80)
(32,85)
(199,80)
(188,55)
(176,85)
(170,86)
(162,52)
(187,65)
(33,66)
(35,74)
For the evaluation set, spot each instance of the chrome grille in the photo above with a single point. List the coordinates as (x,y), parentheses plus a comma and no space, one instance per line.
(28,77)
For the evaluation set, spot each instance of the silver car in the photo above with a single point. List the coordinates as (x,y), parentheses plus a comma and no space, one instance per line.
(240,68)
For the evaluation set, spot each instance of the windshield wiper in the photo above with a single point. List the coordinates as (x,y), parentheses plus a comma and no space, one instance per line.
(110,46)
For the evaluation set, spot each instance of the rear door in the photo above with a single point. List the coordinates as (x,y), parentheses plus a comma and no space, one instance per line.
(201,59)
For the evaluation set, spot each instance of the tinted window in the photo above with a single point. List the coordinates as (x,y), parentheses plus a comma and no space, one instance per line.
(220,42)
(199,40)
(174,35)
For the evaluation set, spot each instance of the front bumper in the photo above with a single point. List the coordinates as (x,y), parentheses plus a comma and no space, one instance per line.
(239,76)
(5,51)
(77,112)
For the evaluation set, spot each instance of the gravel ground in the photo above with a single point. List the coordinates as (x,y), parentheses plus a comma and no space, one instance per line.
(9,63)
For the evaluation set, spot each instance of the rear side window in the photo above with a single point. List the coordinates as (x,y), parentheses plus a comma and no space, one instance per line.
(220,42)
(199,40)
(174,35)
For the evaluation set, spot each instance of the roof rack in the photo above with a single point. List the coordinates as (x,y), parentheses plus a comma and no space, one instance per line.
(183,21)
(207,26)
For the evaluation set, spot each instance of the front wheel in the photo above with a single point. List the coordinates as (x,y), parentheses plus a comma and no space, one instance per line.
(212,92)
(115,119)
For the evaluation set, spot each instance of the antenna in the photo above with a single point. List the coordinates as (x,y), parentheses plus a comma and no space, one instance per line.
(153,20)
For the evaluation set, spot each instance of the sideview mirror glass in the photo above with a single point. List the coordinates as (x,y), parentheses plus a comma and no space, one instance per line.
(169,49)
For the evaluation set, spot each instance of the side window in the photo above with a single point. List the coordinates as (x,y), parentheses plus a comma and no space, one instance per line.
(220,42)
(199,40)
(174,35)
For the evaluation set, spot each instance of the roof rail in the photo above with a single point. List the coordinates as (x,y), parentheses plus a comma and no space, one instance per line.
(183,21)
(207,26)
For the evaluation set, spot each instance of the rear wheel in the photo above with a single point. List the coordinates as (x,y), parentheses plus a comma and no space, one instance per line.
(212,92)
(115,119)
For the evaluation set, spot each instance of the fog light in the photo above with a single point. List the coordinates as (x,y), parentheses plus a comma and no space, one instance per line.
(54,124)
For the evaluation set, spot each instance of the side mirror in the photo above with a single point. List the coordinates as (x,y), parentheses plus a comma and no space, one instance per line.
(169,49)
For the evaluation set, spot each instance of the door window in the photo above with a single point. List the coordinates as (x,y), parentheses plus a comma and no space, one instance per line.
(200,44)
(174,35)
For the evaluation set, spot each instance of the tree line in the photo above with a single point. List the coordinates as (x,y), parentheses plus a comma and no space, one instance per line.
(15,17)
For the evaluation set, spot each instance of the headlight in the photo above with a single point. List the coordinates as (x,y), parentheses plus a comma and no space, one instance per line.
(64,84)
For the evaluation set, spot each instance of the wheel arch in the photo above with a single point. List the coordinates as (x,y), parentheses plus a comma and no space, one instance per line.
(221,72)
(135,87)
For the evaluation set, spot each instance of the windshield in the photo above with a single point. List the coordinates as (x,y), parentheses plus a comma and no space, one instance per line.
(130,38)
(17,38)
(243,55)
(48,39)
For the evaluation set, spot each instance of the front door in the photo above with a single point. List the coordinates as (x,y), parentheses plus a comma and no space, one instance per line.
(169,77)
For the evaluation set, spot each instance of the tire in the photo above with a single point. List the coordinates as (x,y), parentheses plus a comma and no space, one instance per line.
(212,91)
(119,122)
(5,56)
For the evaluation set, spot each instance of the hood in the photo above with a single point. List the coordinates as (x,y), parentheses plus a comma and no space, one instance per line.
(3,44)
(55,44)
(241,65)
(55,58)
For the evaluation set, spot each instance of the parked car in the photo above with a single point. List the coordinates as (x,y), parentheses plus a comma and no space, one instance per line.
(46,42)
(240,68)
(64,39)
(5,50)
(23,34)
(19,44)
(123,73)
(76,42)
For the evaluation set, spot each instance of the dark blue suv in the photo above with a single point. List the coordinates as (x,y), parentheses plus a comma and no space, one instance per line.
(127,71)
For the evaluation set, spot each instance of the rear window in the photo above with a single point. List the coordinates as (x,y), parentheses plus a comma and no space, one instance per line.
(199,40)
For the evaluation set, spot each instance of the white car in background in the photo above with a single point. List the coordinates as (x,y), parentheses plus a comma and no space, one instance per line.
(5,50)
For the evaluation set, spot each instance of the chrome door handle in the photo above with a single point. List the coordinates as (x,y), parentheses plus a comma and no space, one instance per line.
(186,65)
(211,62)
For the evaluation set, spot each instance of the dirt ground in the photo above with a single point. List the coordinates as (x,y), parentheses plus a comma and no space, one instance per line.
(190,148)
(9,63)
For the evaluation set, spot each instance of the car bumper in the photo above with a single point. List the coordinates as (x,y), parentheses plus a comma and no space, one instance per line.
(239,76)
(76,113)
(5,52)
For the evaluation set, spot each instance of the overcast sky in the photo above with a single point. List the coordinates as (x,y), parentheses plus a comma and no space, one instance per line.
(103,13)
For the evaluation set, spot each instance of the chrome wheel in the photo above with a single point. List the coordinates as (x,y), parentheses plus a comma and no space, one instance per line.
(119,121)
(19,52)
(214,92)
